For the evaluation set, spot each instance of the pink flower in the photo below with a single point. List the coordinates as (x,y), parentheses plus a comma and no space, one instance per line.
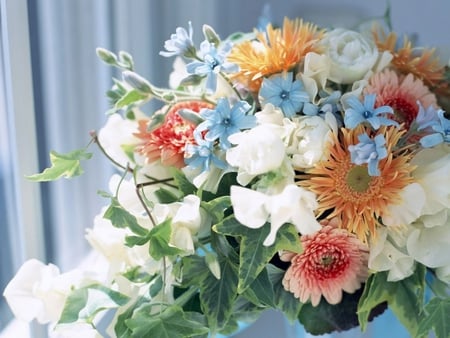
(167,142)
(333,261)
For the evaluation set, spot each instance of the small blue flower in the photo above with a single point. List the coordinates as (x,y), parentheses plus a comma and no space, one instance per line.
(441,132)
(201,155)
(426,118)
(223,121)
(180,43)
(214,61)
(359,113)
(283,93)
(369,151)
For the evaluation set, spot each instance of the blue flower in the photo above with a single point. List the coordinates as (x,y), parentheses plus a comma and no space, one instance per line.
(201,155)
(223,121)
(214,61)
(369,151)
(359,113)
(180,43)
(283,93)
(441,132)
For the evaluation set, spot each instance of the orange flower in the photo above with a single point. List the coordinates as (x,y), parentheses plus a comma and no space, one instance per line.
(333,260)
(401,93)
(425,66)
(347,191)
(277,51)
(167,142)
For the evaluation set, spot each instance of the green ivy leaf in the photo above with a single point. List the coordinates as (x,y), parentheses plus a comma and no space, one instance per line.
(166,196)
(404,297)
(173,322)
(183,184)
(217,295)
(284,300)
(261,291)
(62,165)
(217,207)
(437,314)
(159,241)
(84,303)
(254,255)
(121,218)
(129,98)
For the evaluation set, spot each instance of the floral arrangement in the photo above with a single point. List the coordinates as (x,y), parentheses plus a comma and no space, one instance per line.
(294,167)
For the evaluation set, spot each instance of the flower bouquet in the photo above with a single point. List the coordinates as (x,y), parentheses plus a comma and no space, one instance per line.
(295,167)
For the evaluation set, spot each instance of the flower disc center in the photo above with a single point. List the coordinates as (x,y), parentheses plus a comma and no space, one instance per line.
(358,179)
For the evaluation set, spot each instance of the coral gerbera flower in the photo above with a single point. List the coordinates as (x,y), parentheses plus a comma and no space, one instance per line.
(274,51)
(346,190)
(401,93)
(167,142)
(333,260)
(425,66)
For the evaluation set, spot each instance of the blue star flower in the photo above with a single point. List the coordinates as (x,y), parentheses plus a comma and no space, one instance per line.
(283,93)
(369,151)
(201,155)
(214,61)
(441,132)
(225,121)
(180,43)
(359,113)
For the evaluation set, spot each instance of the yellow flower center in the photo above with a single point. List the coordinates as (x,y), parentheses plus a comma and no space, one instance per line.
(358,179)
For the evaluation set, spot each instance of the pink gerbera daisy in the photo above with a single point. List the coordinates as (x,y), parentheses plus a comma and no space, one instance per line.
(167,142)
(401,93)
(333,261)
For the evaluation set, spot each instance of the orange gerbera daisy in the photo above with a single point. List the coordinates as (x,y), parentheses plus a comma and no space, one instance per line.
(167,142)
(401,93)
(426,66)
(274,51)
(347,191)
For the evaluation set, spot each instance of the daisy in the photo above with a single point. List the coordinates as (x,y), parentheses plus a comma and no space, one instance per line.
(167,142)
(401,93)
(333,261)
(425,66)
(347,191)
(274,51)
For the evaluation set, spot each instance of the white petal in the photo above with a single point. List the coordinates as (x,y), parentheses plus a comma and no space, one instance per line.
(248,206)
(413,200)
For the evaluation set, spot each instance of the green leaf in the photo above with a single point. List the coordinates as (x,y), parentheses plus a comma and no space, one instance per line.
(129,98)
(83,304)
(121,218)
(217,207)
(437,314)
(254,255)
(217,295)
(159,241)
(284,300)
(170,323)
(405,298)
(194,269)
(184,185)
(166,196)
(62,165)
(261,291)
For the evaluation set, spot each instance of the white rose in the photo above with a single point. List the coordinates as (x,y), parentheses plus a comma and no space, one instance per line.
(308,139)
(257,151)
(352,55)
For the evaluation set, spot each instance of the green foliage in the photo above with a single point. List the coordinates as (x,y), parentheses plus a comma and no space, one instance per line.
(402,297)
(121,218)
(254,255)
(84,303)
(131,97)
(172,322)
(437,314)
(62,165)
(159,241)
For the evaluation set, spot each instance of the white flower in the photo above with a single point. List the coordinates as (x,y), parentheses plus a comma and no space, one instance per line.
(388,253)
(257,151)
(408,209)
(309,138)
(116,133)
(186,221)
(293,205)
(39,291)
(270,115)
(432,173)
(76,330)
(316,72)
(430,245)
(352,55)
